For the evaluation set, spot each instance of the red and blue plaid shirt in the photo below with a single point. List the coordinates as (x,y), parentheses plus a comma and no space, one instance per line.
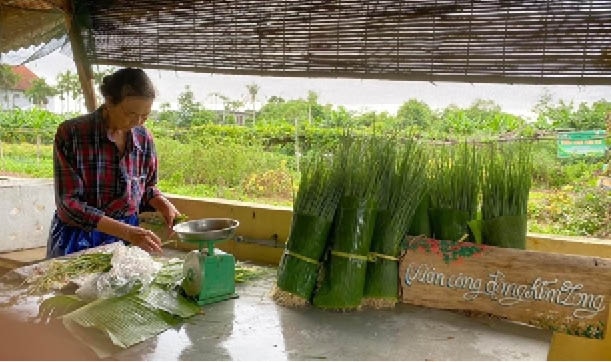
(93,179)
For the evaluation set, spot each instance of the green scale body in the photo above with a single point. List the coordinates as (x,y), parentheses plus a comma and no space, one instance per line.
(209,277)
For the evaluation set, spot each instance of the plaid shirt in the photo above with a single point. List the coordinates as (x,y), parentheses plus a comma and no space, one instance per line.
(91,177)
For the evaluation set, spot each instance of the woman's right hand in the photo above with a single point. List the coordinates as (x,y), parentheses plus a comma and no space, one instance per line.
(144,239)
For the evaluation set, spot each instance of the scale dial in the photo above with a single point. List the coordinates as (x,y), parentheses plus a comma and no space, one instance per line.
(193,273)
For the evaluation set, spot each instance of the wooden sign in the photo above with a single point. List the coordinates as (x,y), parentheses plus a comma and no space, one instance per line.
(564,293)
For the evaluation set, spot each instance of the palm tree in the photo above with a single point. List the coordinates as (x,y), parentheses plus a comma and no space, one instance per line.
(63,88)
(68,84)
(39,92)
(98,77)
(76,91)
(225,101)
(253,89)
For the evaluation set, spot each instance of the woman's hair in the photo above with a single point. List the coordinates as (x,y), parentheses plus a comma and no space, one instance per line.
(127,82)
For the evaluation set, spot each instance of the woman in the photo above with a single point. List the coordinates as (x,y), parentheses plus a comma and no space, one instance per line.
(105,171)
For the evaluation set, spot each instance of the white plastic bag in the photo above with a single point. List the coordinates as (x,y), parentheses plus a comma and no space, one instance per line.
(131,267)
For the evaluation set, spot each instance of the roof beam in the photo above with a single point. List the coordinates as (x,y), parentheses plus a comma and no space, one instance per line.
(83,66)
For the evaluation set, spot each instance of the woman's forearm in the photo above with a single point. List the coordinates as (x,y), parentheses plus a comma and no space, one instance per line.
(159,202)
(114,227)
(166,208)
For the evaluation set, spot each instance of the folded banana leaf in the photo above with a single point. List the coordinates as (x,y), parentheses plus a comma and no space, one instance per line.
(506,232)
(343,279)
(298,269)
(382,270)
(420,224)
(450,224)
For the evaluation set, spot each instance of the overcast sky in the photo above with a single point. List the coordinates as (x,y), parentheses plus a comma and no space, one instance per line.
(355,94)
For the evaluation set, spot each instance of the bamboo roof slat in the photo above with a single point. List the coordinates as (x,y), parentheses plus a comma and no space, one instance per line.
(530,41)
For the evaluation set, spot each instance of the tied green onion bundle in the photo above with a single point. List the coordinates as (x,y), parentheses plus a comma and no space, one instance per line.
(343,277)
(59,272)
(313,210)
(407,187)
(454,196)
(505,190)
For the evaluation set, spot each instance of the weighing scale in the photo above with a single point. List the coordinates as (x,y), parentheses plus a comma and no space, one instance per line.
(208,276)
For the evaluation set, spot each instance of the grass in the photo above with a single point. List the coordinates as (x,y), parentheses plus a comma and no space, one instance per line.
(251,169)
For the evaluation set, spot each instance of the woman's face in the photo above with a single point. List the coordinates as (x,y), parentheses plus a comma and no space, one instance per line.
(129,113)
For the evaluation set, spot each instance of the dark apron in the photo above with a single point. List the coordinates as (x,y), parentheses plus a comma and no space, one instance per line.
(65,239)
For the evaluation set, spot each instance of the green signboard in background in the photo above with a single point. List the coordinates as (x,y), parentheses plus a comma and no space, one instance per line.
(581,143)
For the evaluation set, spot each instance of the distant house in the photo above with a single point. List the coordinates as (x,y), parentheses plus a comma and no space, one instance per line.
(15,97)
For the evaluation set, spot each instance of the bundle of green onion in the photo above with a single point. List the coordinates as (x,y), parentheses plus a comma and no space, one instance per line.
(505,190)
(407,188)
(456,171)
(313,210)
(59,271)
(343,276)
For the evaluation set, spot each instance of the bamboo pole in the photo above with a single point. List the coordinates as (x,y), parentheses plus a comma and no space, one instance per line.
(83,67)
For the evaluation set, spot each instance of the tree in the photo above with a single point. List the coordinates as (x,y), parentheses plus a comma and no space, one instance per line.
(187,107)
(312,101)
(225,101)
(8,79)
(67,84)
(253,89)
(39,92)
(277,110)
(414,113)
(76,91)
(98,77)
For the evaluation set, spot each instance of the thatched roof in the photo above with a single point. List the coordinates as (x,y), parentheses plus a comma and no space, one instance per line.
(29,22)
(540,42)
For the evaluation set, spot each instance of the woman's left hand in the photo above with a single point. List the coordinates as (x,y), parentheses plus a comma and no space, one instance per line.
(166,209)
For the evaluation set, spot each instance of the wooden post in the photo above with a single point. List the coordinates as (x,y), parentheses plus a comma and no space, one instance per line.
(83,67)
(297,152)
(38,142)
(609,143)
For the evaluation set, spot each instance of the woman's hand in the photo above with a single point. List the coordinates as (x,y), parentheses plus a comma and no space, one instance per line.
(144,239)
(166,209)
(135,235)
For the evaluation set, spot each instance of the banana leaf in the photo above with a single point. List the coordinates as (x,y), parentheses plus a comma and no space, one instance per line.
(382,273)
(420,224)
(57,306)
(128,319)
(506,231)
(344,275)
(298,269)
(382,280)
(450,224)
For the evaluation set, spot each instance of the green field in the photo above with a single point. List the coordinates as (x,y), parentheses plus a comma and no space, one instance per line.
(564,200)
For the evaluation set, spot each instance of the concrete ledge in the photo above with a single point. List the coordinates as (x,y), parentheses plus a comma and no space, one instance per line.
(264,229)
(16,259)
(569,245)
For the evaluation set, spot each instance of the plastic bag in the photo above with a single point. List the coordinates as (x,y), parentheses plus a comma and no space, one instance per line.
(132,268)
